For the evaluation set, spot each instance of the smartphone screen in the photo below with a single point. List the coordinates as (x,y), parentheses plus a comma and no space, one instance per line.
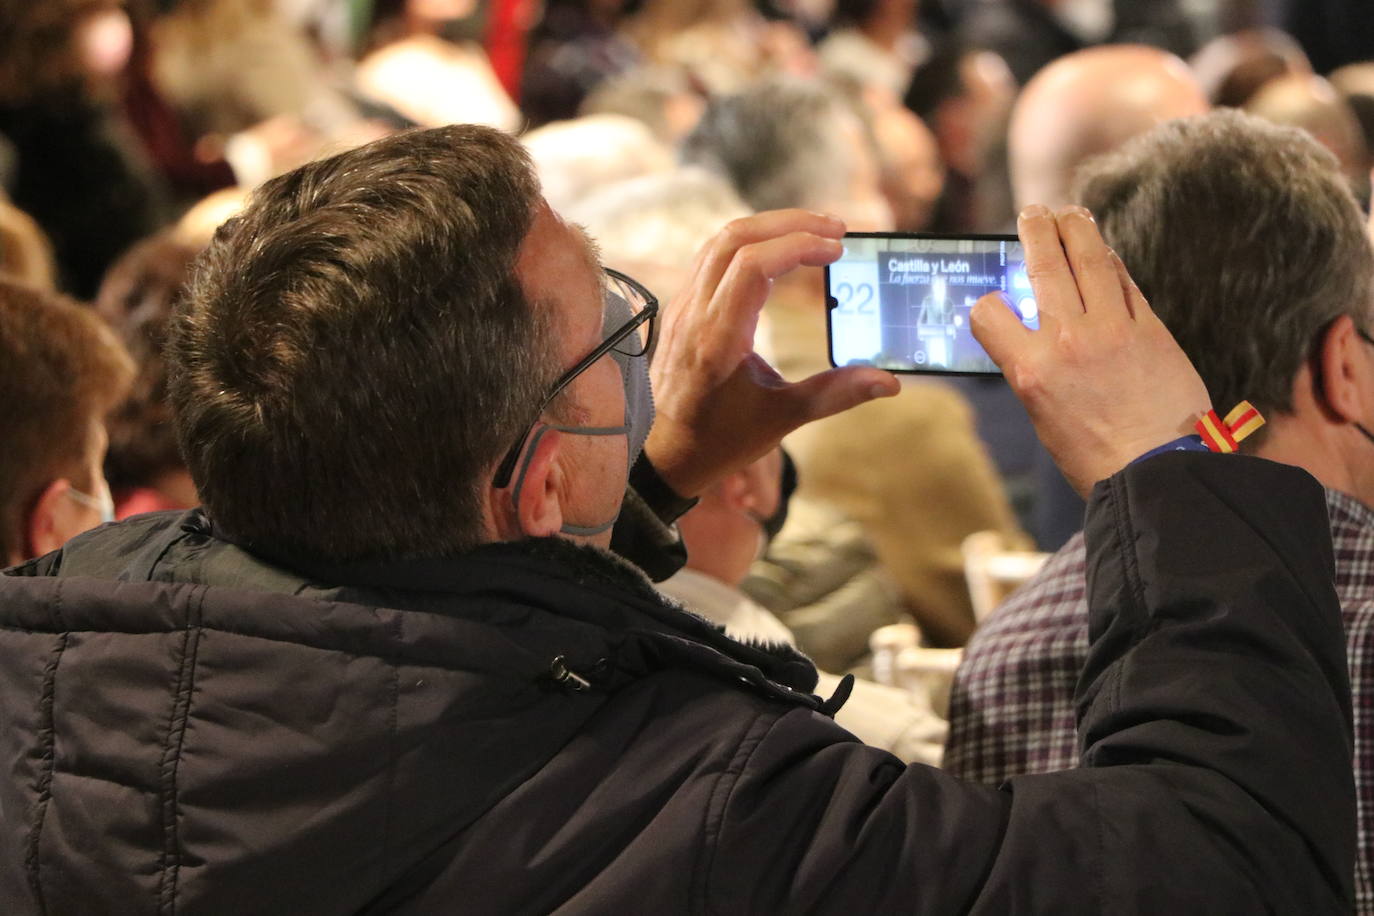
(901,302)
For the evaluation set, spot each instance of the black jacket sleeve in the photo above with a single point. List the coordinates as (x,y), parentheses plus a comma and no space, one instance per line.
(645,533)
(1215,715)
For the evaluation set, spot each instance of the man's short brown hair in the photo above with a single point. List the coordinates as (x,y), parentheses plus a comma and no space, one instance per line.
(355,352)
(61,369)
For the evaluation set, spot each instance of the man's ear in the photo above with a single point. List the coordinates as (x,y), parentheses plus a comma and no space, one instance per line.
(1345,383)
(734,491)
(539,512)
(48,524)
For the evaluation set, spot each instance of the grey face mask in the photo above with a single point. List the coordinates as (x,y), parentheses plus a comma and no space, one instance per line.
(634,375)
(639,412)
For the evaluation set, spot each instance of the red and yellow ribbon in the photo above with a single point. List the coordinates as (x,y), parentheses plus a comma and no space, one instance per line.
(1226,435)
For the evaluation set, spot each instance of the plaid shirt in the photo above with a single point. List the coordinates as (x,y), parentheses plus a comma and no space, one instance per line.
(1012,709)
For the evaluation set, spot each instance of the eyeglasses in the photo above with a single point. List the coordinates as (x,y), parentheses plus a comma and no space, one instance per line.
(636,337)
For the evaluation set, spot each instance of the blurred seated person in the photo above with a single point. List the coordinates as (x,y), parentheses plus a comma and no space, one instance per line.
(875,42)
(911,172)
(910,470)
(25,254)
(190,167)
(1312,104)
(1089,103)
(431,75)
(574,50)
(577,158)
(143,465)
(227,65)
(722,45)
(821,575)
(78,170)
(1355,83)
(725,532)
(964,96)
(661,97)
(251,88)
(794,142)
(1232,67)
(61,371)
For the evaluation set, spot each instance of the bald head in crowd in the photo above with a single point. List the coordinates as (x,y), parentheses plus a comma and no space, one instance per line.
(1312,104)
(1088,103)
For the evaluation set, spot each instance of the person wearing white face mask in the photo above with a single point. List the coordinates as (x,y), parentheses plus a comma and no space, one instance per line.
(61,371)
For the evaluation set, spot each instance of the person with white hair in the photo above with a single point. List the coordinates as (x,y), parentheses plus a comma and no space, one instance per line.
(653,223)
(575,158)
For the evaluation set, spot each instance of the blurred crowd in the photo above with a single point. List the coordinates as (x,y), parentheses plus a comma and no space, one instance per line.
(119,115)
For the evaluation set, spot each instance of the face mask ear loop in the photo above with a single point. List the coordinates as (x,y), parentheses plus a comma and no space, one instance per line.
(588,532)
(525,466)
(578,530)
(102,504)
(529,457)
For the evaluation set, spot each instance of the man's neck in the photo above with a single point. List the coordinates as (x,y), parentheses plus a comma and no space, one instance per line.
(1315,445)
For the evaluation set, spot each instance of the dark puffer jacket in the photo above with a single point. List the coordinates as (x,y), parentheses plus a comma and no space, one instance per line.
(529,729)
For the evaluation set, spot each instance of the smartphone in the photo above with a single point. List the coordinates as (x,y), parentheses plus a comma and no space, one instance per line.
(901,301)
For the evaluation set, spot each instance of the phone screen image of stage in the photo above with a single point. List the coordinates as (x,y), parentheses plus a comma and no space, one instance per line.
(904,303)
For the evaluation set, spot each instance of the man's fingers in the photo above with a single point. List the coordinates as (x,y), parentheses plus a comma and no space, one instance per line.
(1050,276)
(717,255)
(1093,268)
(1134,298)
(745,284)
(835,390)
(999,329)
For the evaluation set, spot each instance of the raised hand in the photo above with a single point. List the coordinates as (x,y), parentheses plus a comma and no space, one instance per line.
(720,406)
(1103,379)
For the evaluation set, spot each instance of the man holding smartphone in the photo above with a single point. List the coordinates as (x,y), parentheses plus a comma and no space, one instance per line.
(389,667)
(1254,253)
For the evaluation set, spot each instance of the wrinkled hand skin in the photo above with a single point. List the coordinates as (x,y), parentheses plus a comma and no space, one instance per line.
(719,405)
(1103,379)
